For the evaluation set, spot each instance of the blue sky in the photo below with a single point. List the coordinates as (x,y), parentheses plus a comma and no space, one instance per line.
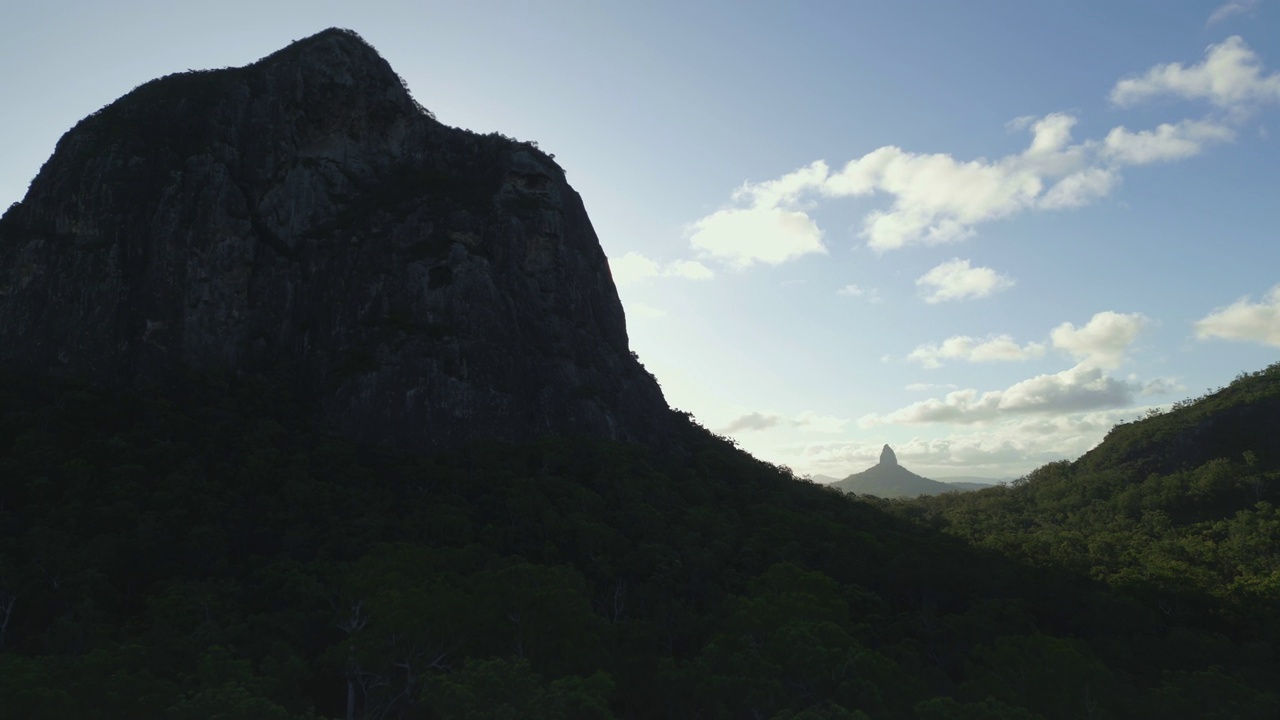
(982,232)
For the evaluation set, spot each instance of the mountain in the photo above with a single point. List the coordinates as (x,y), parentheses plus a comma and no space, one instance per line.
(888,479)
(183,536)
(304,217)
(1242,417)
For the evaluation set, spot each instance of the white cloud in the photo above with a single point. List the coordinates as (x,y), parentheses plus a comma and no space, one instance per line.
(1159,386)
(1230,77)
(807,420)
(1005,449)
(962,347)
(688,269)
(1245,320)
(1079,188)
(851,291)
(752,421)
(1102,342)
(937,198)
(1235,7)
(768,226)
(769,235)
(1167,142)
(957,280)
(1098,346)
(1074,390)
(634,268)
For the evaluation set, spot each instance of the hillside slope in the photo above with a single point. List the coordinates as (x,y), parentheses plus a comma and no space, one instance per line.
(209,553)
(1178,509)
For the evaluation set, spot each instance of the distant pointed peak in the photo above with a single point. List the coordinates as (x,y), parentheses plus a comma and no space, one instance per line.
(887,457)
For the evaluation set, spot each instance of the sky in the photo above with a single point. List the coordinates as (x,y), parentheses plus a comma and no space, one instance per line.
(983,233)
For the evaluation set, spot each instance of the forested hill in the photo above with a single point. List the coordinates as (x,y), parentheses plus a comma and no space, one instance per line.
(1177,510)
(207,552)
(1243,417)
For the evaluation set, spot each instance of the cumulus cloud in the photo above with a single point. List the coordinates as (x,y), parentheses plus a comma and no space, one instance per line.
(752,421)
(634,268)
(1235,7)
(1077,389)
(1245,320)
(1230,77)
(1098,346)
(1080,188)
(938,198)
(997,348)
(1009,448)
(808,420)
(1160,386)
(957,280)
(766,225)
(935,197)
(1167,142)
(1103,341)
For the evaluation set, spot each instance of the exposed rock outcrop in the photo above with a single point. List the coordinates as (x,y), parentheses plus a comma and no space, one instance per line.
(304,216)
(887,457)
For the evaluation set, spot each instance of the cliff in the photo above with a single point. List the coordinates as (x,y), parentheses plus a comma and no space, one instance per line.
(304,217)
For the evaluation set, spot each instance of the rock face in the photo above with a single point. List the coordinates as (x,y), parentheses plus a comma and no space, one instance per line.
(304,216)
(887,457)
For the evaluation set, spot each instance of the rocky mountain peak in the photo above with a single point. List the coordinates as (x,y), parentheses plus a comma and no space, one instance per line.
(887,457)
(304,217)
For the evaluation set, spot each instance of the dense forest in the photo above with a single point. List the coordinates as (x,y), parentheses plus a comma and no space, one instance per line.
(208,551)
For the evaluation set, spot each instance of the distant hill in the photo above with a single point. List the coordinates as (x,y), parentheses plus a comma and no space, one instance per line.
(971,482)
(888,479)
(958,485)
